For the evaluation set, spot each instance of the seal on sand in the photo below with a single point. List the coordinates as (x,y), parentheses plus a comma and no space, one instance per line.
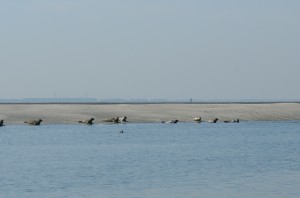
(232,121)
(89,121)
(34,122)
(170,122)
(213,121)
(1,123)
(123,119)
(114,120)
(197,119)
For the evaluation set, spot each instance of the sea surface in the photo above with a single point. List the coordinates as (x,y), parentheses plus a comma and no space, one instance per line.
(247,159)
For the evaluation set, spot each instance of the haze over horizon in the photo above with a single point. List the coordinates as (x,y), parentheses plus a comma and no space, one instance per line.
(150,49)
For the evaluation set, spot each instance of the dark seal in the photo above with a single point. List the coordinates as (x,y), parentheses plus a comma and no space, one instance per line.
(89,121)
(34,122)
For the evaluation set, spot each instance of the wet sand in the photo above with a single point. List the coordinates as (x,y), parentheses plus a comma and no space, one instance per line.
(145,113)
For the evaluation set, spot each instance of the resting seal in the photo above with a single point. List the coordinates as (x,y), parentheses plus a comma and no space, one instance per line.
(114,120)
(232,121)
(123,119)
(34,122)
(1,123)
(170,122)
(213,121)
(198,119)
(89,121)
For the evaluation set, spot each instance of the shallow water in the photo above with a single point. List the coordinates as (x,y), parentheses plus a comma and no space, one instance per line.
(249,159)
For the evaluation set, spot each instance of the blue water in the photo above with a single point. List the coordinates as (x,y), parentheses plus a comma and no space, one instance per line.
(249,159)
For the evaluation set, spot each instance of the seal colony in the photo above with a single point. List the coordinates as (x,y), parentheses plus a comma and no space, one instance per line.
(147,113)
(118,120)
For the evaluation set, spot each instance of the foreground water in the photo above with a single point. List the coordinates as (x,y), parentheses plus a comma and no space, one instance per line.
(251,159)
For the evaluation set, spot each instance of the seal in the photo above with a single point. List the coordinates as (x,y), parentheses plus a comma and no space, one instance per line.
(197,119)
(123,119)
(114,120)
(34,122)
(171,122)
(213,121)
(89,121)
(232,121)
(1,123)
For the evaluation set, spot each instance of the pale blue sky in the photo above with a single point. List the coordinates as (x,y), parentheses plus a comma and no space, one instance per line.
(168,49)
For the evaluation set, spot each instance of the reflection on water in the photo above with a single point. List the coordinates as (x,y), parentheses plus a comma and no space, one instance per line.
(251,159)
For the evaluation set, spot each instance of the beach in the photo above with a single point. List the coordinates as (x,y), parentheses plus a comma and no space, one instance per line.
(148,113)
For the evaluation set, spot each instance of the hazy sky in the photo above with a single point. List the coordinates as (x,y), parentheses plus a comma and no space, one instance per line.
(168,49)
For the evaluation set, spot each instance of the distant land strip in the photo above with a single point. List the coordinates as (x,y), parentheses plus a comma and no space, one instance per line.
(71,113)
(137,103)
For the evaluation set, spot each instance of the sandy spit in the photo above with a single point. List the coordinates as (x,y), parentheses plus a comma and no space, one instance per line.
(137,113)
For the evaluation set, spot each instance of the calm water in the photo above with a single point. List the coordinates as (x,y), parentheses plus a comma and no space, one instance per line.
(250,159)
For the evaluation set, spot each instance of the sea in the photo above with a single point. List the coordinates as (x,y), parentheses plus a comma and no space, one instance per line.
(151,160)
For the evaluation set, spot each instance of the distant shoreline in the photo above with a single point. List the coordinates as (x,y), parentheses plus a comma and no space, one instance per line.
(143,103)
(71,113)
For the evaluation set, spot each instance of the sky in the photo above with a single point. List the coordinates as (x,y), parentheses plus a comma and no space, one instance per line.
(158,49)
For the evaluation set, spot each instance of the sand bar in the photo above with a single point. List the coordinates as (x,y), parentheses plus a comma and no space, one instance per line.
(145,113)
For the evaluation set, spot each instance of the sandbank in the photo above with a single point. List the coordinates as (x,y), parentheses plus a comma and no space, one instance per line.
(147,113)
